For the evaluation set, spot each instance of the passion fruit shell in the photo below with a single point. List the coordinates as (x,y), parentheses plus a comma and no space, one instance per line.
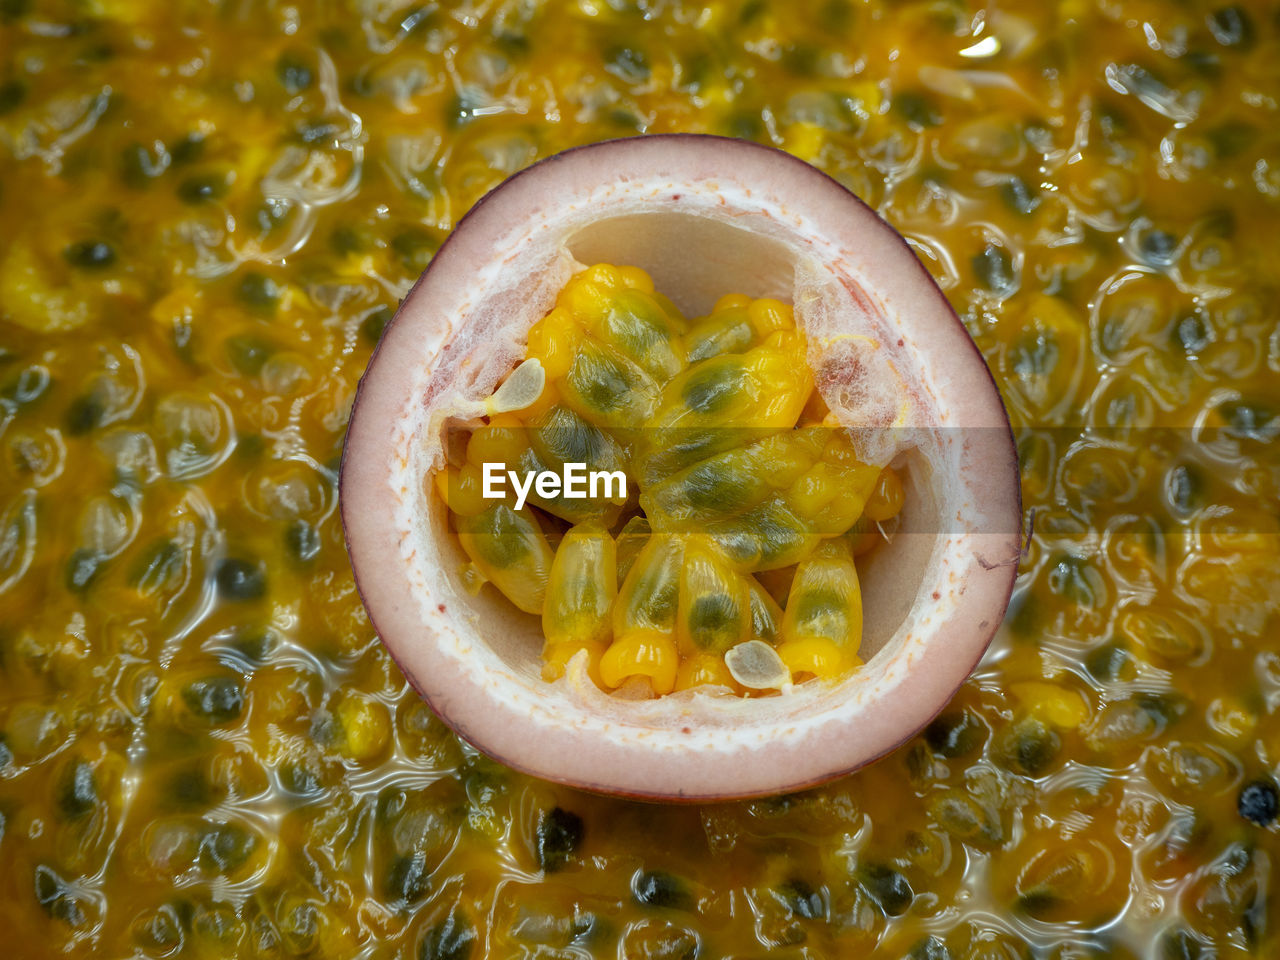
(704,216)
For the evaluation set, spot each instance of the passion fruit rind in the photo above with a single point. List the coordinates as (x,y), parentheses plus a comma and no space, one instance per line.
(768,225)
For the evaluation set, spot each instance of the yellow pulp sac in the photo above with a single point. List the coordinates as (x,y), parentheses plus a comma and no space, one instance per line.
(734,470)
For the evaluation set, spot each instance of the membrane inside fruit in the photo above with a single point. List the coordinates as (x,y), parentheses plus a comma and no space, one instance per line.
(727,557)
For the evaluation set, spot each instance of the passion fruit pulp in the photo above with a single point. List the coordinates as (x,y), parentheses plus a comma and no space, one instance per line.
(704,439)
(889,357)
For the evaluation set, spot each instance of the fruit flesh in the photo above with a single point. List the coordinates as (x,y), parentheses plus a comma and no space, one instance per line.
(739,471)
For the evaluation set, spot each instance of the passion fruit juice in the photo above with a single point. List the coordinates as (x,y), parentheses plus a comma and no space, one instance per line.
(737,469)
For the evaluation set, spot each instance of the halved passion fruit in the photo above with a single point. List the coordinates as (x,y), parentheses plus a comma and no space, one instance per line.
(891,363)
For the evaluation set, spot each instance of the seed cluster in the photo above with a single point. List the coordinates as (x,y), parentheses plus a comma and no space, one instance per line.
(193,769)
(740,471)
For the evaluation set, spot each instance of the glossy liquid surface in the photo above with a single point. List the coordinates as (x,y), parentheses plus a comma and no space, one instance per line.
(209,213)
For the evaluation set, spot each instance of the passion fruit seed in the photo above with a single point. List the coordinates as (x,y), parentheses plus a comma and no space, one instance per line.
(757,666)
(615,378)
(520,389)
(1259,802)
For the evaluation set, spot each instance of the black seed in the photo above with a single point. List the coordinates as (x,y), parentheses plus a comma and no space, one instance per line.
(258,291)
(85,413)
(345,239)
(389,806)
(248,353)
(1218,222)
(1158,247)
(835,15)
(250,446)
(745,125)
(887,887)
(1181,944)
(752,9)
(1251,420)
(800,59)
(191,788)
(216,923)
(201,188)
(628,64)
(1030,746)
(1231,26)
(415,247)
(160,564)
(461,108)
(919,763)
(215,699)
(372,326)
(1231,138)
(188,149)
(1108,663)
(1259,802)
(224,847)
(327,730)
(1184,487)
(993,268)
(955,733)
(917,109)
(183,339)
(558,836)
(1037,903)
(930,948)
(55,896)
(161,930)
(802,900)
(1203,62)
(303,541)
(1024,615)
(453,938)
(1019,196)
(1234,861)
(300,928)
(12,94)
(657,888)
(256,644)
(1163,708)
(625,119)
(1113,122)
(1076,579)
(514,45)
(300,778)
(409,879)
(694,72)
(293,72)
(77,790)
(83,569)
(241,580)
(1193,333)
